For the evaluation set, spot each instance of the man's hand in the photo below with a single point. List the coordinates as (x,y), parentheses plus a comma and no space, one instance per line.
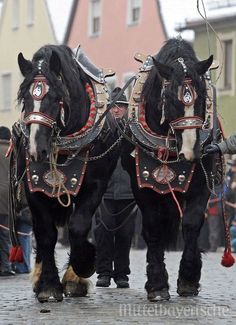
(212,148)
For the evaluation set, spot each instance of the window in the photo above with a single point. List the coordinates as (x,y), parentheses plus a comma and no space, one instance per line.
(217,4)
(30,12)
(228,60)
(128,90)
(15,14)
(95,18)
(111,83)
(6,92)
(226,56)
(134,11)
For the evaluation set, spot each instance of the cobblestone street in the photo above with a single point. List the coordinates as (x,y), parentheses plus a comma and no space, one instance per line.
(216,303)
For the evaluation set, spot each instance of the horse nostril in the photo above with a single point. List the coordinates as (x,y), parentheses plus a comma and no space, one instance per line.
(182,157)
(42,155)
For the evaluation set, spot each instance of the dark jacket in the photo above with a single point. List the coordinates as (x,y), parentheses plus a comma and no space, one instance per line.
(119,185)
(4,177)
(230,196)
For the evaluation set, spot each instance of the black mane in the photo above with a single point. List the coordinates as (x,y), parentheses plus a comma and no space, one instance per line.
(71,90)
(168,55)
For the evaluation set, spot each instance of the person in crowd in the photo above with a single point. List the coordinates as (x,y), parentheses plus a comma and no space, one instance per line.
(5,265)
(24,230)
(228,146)
(230,198)
(233,234)
(114,219)
(214,220)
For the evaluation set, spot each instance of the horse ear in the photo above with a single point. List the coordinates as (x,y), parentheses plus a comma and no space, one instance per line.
(202,66)
(55,63)
(164,70)
(24,65)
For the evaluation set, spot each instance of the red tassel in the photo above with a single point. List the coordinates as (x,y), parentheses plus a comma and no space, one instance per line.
(227,259)
(16,254)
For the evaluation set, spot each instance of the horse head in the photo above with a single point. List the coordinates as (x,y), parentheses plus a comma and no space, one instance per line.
(181,95)
(49,92)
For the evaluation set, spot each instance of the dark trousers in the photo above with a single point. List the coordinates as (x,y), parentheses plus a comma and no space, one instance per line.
(113,245)
(5,244)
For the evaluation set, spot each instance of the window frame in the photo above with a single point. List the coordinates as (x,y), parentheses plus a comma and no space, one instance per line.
(111,81)
(30,12)
(126,76)
(6,101)
(231,36)
(130,8)
(91,18)
(15,19)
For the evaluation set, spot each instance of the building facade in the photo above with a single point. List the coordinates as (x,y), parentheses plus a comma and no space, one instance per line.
(221,42)
(111,32)
(24,26)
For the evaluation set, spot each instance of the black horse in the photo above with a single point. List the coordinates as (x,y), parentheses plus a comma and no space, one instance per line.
(62,155)
(169,122)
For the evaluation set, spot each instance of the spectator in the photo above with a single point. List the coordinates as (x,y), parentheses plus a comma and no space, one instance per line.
(214,219)
(230,196)
(24,230)
(5,265)
(115,220)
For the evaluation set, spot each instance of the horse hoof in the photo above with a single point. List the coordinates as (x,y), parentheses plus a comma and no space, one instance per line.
(85,274)
(187,289)
(159,295)
(75,289)
(50,296)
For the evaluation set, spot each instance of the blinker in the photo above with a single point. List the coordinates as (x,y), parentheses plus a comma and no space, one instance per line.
(39,87)
(186,94)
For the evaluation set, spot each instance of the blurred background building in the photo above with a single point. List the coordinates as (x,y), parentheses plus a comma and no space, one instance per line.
(221,42)
(111,32)
(25,25)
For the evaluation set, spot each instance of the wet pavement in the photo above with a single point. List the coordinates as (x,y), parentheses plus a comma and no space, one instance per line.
(216,303)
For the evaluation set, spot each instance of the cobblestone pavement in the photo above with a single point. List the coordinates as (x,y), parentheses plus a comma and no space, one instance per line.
(216,303)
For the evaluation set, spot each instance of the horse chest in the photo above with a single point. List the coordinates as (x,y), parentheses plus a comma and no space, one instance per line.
(54,182)
(162,178)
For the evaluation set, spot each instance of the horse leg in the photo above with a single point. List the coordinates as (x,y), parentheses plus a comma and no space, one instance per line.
(157,286)
(82,257)
(46,282)
(159,226)
(191,263)
(74,285)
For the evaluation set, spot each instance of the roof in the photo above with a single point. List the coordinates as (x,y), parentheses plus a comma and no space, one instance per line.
(216,15)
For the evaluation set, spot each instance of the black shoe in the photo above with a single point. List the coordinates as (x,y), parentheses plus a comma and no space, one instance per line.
(103,281)
(122,282)
(7,273)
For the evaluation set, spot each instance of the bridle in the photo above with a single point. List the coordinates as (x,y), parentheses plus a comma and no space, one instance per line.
(38,92)
(187,95)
